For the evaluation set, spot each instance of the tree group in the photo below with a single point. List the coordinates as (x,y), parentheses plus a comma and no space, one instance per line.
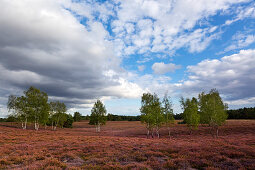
(33,107)
(155,113)
(207,109)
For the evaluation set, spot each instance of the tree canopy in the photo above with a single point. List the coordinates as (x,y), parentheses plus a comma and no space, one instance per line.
(33,107)
(77,116)
(190,113)
(212,109)
(151,113)
(98,115)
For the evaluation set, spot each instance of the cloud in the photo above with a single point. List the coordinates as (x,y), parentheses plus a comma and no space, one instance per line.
(232,75)
(240,40)
(43,44)
(163,26)
(162,68)
(242,13)
(141,67)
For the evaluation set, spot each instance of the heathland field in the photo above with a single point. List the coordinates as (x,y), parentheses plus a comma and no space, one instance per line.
(123,145)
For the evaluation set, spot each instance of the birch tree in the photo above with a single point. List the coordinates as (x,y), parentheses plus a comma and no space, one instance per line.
(58,114)
(190,113)
(168,113)
(36,104)
(18,106)
(151,113)
(212,110)
(98,115)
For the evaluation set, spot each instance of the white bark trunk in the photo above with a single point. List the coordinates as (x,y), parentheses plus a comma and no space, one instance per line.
(157,131)
(169,132)
(25,126)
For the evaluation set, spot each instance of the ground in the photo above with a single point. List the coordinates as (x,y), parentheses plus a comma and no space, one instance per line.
(123,145)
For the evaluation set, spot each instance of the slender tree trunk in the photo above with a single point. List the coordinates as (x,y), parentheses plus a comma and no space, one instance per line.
(52,125)
(148,133)
(55,128)
(22,125)
(157,131)
(25,126)
(35,125)
(217,131)
(169,132)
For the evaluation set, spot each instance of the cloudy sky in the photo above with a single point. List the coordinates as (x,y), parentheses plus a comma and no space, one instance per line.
(80,51)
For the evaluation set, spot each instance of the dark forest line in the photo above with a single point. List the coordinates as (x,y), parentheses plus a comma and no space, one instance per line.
(242,113)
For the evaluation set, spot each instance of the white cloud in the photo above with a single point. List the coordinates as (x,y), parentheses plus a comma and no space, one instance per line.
(240,40)
(162,68)
(162,25)
(232,75)
(242,13)
(141,67)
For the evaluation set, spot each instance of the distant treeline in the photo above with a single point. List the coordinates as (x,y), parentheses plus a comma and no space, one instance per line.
(243,113)
(112,117)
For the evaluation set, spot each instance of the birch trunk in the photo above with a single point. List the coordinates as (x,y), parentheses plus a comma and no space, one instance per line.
(169,132)
(217,132)
(52,125)
(25,126)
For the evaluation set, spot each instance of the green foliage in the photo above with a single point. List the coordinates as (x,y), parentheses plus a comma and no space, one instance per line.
(36,103)
(58,113)
(69,121)
(151,112)
(212,108)
(34,107)
(190,114)
(19,107)
(11,118)
(3,119)
(242,113)
(168,111)
(98,114)
(77,117)
(112,117)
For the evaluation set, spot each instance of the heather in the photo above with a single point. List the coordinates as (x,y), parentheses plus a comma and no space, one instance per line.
(123,145)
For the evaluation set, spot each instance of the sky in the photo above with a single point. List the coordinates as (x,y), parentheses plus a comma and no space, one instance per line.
(79,51)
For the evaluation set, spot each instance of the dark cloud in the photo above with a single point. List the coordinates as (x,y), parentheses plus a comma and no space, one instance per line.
(45,46)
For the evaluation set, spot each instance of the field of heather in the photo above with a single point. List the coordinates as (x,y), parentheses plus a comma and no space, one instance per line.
(123,145)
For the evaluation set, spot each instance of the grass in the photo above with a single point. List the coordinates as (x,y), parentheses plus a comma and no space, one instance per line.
(123,145)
